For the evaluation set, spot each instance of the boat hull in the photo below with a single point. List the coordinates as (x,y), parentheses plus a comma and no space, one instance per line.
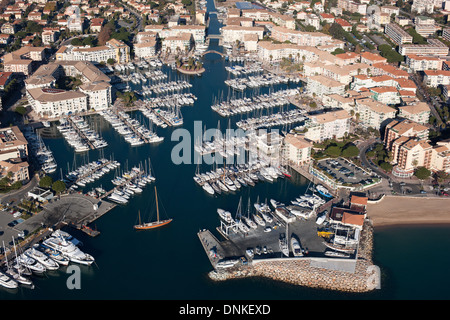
(152,225)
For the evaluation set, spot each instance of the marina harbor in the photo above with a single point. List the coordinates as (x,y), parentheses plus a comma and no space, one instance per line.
(223,150)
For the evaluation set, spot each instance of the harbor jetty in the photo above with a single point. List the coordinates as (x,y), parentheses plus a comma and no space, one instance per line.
(321,273)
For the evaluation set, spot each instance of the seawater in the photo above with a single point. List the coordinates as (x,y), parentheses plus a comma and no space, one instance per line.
(169,263)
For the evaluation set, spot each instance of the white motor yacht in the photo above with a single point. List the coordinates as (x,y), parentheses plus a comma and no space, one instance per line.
(68,249)
(39,256)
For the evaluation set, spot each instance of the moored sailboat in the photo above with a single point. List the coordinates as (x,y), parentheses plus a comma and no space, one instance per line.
(152,224)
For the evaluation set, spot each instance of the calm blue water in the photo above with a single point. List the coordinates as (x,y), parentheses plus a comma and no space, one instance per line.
(170,264)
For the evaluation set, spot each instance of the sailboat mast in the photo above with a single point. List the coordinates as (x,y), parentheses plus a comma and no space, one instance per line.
(157,209)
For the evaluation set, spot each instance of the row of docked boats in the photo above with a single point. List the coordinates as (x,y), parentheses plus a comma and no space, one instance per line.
(224,146)
(261,216)
(265,101)
(132,66)
(90,172)
(169,87)
(40,151)
(267,79)
(224,180)
(275,119)
(129,184)
(87,133)
(171,100)
(58,250)
(131,129)
(238,70)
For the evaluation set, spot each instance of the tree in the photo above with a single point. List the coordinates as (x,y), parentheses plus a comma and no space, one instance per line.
(76,42)
(422,173)
(386,166)
(350,151)
(21,110)
(333,151)
(105,33)
(58,186)
(46,182)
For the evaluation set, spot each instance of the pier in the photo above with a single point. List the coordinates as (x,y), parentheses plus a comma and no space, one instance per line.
(275,119)
(158,115)
(81,133)
(121,116)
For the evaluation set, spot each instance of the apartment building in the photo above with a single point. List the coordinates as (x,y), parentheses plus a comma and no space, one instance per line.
(198,32)
(435,78)
(21,60)
(274,52)
(420,63)
(407,142)
(13,144)
(53,103)
(15,170)
(446,34)
(422,6)
(301,38)
(328,125)
(397,34)
(425,26)
(372,58)
(321,85)
(348,5)
(180,42)
(418,112)
(114,49)
(334,71)
(313,20)
(402,20)
(49,36)
(440,160)
(338,102)
(98,94)
(374,114)
(433,48)
(296,149)
(231,34)
(145,49)
(385,94)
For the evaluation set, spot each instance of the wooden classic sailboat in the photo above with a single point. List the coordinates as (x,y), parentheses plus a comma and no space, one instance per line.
(152,224)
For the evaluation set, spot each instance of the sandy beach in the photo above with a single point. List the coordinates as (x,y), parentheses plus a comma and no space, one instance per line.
(400,210)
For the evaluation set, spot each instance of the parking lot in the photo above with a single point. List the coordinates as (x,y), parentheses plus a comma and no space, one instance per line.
(346,173)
